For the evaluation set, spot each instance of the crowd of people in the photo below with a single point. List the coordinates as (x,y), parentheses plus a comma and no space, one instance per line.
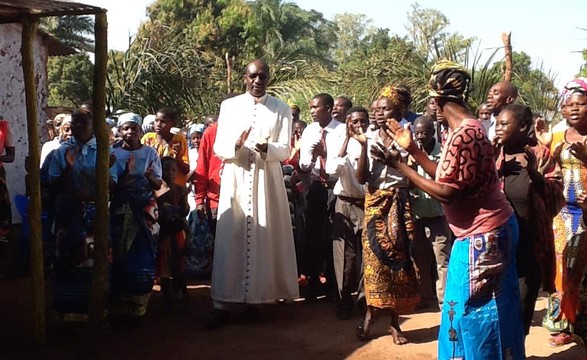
(400,211)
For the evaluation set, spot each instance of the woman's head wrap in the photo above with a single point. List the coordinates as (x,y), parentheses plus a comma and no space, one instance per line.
(196,128)
(577,86)
(59,117)
(148,123)
(448,80)
(399,96)
(129,117)
(66,120)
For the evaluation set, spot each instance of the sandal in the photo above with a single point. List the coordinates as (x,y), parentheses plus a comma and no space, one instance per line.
(560,339)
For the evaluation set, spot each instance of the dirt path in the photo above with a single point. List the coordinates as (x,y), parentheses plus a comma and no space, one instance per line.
(290,331)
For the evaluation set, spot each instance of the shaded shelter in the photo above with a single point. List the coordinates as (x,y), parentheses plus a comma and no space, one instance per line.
(27,13)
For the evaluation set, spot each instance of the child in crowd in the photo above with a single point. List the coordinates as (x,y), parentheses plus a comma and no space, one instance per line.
(173,209)
(195,135)
(168,144)
(199,261)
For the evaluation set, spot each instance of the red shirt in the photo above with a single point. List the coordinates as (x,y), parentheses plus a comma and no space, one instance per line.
(208,170)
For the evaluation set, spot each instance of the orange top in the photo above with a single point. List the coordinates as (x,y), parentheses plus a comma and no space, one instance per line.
(177,149)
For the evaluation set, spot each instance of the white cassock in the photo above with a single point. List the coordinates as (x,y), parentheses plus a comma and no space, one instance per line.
(254,253)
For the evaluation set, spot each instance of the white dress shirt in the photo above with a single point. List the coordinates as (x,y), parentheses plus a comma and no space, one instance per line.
(345,168)
(335,135)
(490,128)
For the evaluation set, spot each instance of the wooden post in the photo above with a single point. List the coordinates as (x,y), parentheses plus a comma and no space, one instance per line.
(507,42)
(29,30)
(228,72)
(101,235)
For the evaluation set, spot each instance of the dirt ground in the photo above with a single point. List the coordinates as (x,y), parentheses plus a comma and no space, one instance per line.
(288,331)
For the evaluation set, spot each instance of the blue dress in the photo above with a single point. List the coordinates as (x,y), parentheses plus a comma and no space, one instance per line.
(74,220)
(133,230)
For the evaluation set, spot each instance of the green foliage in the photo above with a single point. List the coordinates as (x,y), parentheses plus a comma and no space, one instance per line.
(284,32)
(535,85)
(191,53)
(144,79)
(583,71)
(75,31)
(427,30)
(70,79)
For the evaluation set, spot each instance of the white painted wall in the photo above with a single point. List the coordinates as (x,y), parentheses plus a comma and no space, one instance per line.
(12,101)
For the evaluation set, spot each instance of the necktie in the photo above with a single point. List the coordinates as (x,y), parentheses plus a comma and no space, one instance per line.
(323,174)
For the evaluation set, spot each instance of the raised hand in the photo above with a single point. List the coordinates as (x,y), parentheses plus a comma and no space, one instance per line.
(319,151)
(390,127)
(241,140)
(497,145)
(543,132)
(532,165)
(402,135)
(579,151)
(70,155)
(385,156)
(130,163)
(201,211)
(261,145)
(558,149)
(357,134)
(582,201)
(176,150)
(149,170)
(531,161)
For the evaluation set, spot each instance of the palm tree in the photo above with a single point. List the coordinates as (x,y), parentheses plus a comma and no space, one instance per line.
(75,31)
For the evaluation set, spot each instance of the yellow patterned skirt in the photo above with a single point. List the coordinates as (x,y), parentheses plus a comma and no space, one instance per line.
(391,277)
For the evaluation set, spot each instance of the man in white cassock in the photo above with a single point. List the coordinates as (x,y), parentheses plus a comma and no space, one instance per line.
(254,254)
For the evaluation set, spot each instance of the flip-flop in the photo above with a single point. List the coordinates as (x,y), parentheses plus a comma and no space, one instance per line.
(560,339)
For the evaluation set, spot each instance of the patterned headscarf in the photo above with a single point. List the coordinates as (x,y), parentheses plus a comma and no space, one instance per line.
(577,86)
(448,80)
(399,96)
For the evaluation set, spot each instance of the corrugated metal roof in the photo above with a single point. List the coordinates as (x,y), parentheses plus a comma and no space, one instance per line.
(15,10)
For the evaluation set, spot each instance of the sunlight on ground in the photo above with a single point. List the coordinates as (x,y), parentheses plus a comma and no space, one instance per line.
(421,329)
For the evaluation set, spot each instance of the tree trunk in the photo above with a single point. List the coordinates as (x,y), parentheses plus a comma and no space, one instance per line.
(100,279)
(507,42)
(29,30)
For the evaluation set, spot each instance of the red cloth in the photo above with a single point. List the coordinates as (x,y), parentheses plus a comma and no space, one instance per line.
(295,160)
(207,176)
(467,164)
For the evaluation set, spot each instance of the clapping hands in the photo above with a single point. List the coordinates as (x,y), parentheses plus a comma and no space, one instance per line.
(384,155)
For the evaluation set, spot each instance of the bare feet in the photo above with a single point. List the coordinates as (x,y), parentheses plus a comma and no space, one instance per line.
(395,331)
(362,330)
(397,336)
